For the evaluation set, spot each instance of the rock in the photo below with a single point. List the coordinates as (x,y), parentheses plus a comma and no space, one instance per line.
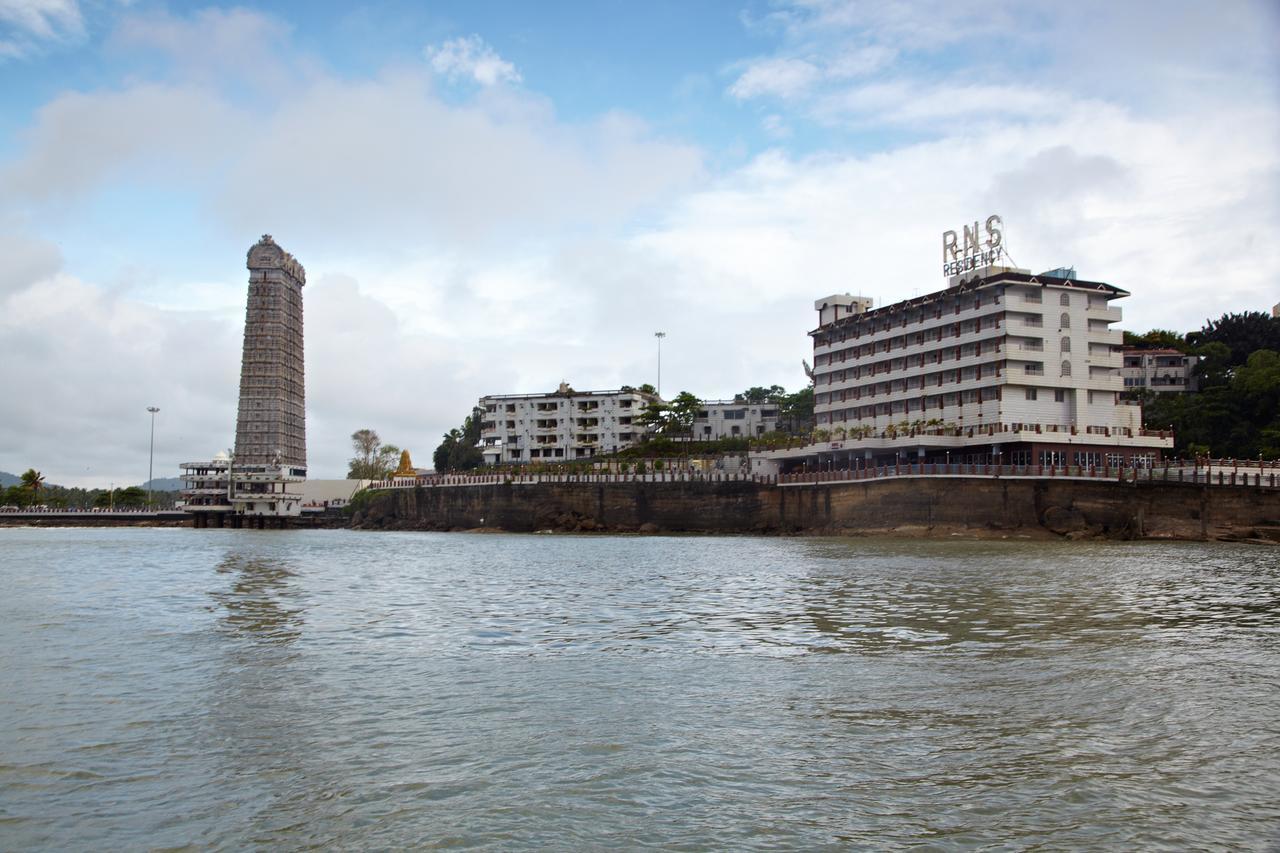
(648,527)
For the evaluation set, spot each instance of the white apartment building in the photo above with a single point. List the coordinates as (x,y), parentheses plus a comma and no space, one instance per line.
(562,426)
(1001,364)
(734,419)
(1161,370)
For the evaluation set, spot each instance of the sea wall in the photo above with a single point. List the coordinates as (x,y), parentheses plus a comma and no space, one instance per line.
(915,506)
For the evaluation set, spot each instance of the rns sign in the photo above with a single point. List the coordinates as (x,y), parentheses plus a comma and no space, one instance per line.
(976,252)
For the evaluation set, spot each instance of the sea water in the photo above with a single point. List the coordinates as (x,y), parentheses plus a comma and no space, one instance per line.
(234,688)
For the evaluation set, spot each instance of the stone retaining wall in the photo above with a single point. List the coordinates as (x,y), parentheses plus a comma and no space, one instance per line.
(975,506)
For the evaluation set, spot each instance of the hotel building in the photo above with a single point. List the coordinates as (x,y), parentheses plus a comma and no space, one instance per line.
(1002,365)
(562,426)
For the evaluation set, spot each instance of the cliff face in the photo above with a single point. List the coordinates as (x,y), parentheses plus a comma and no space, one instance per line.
(978,506)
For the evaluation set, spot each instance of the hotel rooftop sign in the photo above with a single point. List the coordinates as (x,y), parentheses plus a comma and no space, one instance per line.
(981,248)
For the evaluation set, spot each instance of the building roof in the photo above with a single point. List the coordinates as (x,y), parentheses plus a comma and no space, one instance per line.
(568,394)
(977,283)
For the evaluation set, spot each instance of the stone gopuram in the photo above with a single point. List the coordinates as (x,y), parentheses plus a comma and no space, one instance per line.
(260,483)
(271,420)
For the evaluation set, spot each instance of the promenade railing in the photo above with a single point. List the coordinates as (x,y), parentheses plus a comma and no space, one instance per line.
(1252,474)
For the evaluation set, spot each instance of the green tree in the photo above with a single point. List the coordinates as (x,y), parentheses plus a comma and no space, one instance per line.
(795,412)
(646,388)
(33,482)
(373,460)
(17,496)
(654,416)
(684,410)
(1243,334)
(134,497)
(1157,339)
(460,451)
(759,394)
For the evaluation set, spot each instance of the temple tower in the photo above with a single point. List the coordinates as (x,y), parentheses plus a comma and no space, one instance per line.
(271,421)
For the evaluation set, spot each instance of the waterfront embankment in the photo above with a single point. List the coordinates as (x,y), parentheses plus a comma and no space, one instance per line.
(57,518)
(980,507)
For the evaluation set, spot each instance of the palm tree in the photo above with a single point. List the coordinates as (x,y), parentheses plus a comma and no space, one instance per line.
(33,481)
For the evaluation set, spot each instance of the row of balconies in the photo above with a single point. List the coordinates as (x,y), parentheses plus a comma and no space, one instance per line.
(1110,383)
(912,350)
(837,341)
(947,355)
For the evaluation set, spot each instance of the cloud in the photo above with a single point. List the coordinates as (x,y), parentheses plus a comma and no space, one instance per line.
(783,78)
(212,45)
(28,26)
(148,132)
(81,366)
(356,161)
(469,57)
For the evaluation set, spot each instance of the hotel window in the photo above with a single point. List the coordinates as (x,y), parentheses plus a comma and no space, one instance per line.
(1031,393)
(1066,368)
(1060,396)
(1066,345)
(1064,322)
(1064,299)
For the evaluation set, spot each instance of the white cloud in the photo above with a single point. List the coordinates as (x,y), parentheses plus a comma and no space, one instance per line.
(213,45)
(27,26)
(783,78)
(413,166)
(469,57)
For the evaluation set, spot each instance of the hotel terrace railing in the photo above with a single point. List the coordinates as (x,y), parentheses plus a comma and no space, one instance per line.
(976,431)
(1263,475)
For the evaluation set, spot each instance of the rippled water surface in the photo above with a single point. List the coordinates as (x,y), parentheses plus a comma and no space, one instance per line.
(220,688)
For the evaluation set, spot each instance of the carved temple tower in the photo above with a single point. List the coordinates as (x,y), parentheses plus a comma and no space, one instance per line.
(259,485)
(271,421)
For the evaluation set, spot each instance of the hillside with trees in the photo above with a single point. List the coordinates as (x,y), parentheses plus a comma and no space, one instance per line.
(1236,413)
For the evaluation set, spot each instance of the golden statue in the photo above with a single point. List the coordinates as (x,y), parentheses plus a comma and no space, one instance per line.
(406,466)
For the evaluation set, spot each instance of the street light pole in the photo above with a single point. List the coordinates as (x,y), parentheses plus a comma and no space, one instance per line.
(151,460)
(659,336)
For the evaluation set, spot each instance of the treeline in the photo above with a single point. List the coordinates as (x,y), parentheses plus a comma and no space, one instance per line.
(33,491)
(1236,413)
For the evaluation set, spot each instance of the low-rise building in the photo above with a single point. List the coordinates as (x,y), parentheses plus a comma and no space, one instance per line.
(734,419)
(563,426)
(1161,370)
(222,487)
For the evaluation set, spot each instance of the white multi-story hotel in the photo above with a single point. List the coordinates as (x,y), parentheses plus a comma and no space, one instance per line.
(1001,365)
(562,426)
(734,419)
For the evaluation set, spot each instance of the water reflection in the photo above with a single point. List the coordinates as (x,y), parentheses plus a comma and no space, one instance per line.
(261,603)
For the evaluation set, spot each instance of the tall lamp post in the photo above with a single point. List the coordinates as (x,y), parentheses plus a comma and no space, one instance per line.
(659,336)
(152,457)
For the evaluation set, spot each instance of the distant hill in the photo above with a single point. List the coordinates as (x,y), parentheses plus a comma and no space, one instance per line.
(165,484)
(159,484)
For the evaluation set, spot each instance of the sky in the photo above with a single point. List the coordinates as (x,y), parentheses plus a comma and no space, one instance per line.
(496,197)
